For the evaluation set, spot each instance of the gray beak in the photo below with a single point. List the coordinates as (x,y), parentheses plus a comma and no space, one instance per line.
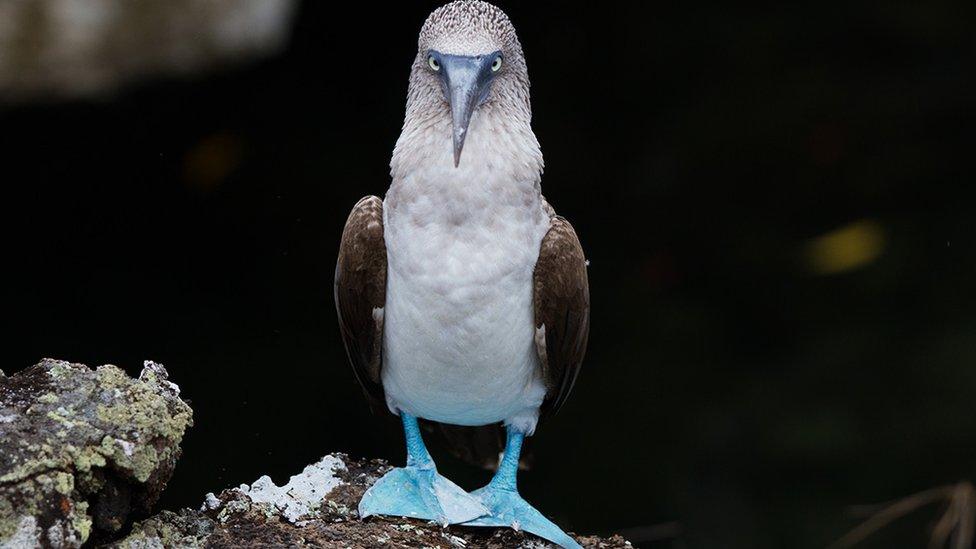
(467,81)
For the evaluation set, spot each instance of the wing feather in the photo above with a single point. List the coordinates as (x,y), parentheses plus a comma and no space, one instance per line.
(562,311)
(360,293)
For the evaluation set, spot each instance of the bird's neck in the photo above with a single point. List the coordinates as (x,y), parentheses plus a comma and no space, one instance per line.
(501,159)
(500,144)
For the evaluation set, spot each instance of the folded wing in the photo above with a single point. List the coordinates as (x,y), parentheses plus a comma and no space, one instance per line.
(562,311)
(360,293)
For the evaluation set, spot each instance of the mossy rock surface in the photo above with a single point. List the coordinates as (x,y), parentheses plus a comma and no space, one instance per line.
(83,451)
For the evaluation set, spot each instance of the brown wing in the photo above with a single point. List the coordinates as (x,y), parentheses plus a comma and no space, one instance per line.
(360,293)
(562,311)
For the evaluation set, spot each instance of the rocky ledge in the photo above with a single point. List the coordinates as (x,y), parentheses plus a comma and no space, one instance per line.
(317,508)
(84,452)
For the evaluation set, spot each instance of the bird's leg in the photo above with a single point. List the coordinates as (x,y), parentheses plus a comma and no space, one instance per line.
(507,508)
(417,490)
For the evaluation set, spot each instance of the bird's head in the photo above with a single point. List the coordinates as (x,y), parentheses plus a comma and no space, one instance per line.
(468,59)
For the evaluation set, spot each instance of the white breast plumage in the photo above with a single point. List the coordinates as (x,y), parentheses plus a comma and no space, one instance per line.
(461,247)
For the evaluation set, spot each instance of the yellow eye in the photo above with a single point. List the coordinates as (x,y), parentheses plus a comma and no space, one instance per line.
(435,65)
(496,64)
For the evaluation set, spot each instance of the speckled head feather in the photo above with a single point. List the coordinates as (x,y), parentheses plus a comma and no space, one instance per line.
(473,27)
(468,28)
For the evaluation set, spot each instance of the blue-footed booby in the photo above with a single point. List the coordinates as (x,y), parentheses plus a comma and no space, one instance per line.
(462,297)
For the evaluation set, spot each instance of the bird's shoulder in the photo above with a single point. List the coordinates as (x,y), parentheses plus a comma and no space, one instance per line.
(560,270)
(365,223)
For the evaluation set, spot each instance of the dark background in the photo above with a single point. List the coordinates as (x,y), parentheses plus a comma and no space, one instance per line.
(776,200)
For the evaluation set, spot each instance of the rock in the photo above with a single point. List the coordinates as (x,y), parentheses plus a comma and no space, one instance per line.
(317,508)
(82,451)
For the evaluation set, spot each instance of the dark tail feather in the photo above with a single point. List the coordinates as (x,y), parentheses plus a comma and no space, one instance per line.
(478,446)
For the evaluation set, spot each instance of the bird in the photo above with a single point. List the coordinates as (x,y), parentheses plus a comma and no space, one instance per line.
(462,296)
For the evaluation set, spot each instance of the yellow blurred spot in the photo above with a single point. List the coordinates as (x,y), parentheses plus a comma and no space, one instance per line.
(210,161)
(845,249)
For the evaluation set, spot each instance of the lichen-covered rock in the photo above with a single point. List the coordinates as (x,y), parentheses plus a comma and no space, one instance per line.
(82,450)
(317,508)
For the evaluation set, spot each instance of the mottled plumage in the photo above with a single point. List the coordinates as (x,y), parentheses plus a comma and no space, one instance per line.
(462,297)
(438,212)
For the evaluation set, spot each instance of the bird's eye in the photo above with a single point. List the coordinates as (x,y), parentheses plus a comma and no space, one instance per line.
(435,65)
(496,64)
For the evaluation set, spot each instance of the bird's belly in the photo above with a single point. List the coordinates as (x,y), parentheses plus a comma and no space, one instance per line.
(459,336)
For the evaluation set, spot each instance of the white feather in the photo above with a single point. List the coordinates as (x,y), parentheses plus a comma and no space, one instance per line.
(462,244)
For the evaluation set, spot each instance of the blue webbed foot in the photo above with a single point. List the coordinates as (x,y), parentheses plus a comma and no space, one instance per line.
(507,508)
(419,492)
